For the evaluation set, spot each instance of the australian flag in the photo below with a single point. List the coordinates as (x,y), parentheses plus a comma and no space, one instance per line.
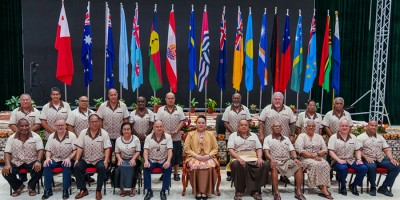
(86,54)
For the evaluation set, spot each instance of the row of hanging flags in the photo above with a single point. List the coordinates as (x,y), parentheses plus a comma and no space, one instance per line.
(243,54)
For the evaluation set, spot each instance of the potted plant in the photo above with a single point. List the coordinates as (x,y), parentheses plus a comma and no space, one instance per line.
(155,102)
(227,104)
(253,108)
(98,102)
(293,107)
(211,104)
(12,103)
(193,104)
(134,106)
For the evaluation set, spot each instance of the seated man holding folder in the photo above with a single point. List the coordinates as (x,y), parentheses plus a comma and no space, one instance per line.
(249,170)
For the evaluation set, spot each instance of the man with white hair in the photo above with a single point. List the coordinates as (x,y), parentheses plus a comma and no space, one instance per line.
(332,118)
(277,112)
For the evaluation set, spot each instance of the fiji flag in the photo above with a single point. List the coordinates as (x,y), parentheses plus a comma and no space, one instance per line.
(86,54)
(249,54)
(262,59)
(221,76)
(192,52)
(123,52)
(136,54)
(109,51)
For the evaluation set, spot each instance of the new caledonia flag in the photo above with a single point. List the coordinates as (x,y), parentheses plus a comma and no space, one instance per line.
(154,53)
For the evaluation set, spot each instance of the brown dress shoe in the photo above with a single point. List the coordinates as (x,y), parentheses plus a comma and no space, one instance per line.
(18,191)
(81,194)
(98,195)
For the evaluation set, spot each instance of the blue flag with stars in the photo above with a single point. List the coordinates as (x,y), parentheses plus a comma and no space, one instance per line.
(109,52)
(86,54)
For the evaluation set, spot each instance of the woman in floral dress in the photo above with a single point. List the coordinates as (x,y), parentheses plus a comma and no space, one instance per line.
(312,150)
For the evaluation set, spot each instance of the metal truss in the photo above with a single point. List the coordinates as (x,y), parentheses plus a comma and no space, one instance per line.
(377,107)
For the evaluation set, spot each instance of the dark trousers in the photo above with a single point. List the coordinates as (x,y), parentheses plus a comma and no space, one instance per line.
(385,163)
(166,175)
(48,174)
(342,172)
(80,169)
(15,183)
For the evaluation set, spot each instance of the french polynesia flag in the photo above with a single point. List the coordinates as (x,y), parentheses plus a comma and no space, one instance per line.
(65,64)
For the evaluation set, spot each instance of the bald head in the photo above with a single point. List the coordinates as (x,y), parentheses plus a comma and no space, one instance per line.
(170,99)
(113,95)
(158,127)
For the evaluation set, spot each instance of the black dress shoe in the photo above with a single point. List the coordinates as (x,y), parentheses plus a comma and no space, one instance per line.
(343,191)
(149,195)
(47,193)
(372,191)
(65,194)
(383,190)
(176,177)
(228,178)
(162,195)
(353,189)
(161,178)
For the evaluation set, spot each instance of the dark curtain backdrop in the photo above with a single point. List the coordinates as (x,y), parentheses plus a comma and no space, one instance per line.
(11,59)
(356,34)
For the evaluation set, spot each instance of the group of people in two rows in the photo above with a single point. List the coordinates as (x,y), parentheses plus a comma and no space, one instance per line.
(81,138)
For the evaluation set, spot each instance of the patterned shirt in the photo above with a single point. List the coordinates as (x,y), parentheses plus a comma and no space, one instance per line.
(32,116)
(158,150)
(171,120)
(279,149)
(50,114)
(304,117)
(142,123)
(233,118)
(373,146)
(239,144)
(285,117)
(61,148)
(310,145)
(344,148)
(79,120)
(113,119)
(331,119)
(93,148)
(127,149)
(23,152)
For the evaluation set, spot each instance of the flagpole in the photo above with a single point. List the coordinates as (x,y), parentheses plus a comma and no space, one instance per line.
(284,99)
(247,103)
(190,102)
(220,103)
(88,92)
(297,101)
(120,90)
(65,90)
(333,98)
(105,56)
(322,99)
(260,98)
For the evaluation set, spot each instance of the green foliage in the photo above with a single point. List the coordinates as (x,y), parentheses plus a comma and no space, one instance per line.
(154,101)
(98,102)
(76,102)
(122,100)
(12,103)
(254,128)
(134,106)
(211,103)
(180,105)
(227,104)
(193,102)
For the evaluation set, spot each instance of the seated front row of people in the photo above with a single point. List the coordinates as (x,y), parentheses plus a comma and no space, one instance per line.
(24,149)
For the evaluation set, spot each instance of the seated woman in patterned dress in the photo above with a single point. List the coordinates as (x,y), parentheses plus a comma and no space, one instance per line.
(201,150)
(127,150)
(312,149)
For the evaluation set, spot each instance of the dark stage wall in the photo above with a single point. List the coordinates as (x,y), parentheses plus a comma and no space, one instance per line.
(40,18)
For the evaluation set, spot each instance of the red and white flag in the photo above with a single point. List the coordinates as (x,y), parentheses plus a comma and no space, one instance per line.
(172,74)
(65,64)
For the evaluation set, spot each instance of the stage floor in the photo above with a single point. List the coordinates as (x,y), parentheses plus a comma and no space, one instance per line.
(226,191)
